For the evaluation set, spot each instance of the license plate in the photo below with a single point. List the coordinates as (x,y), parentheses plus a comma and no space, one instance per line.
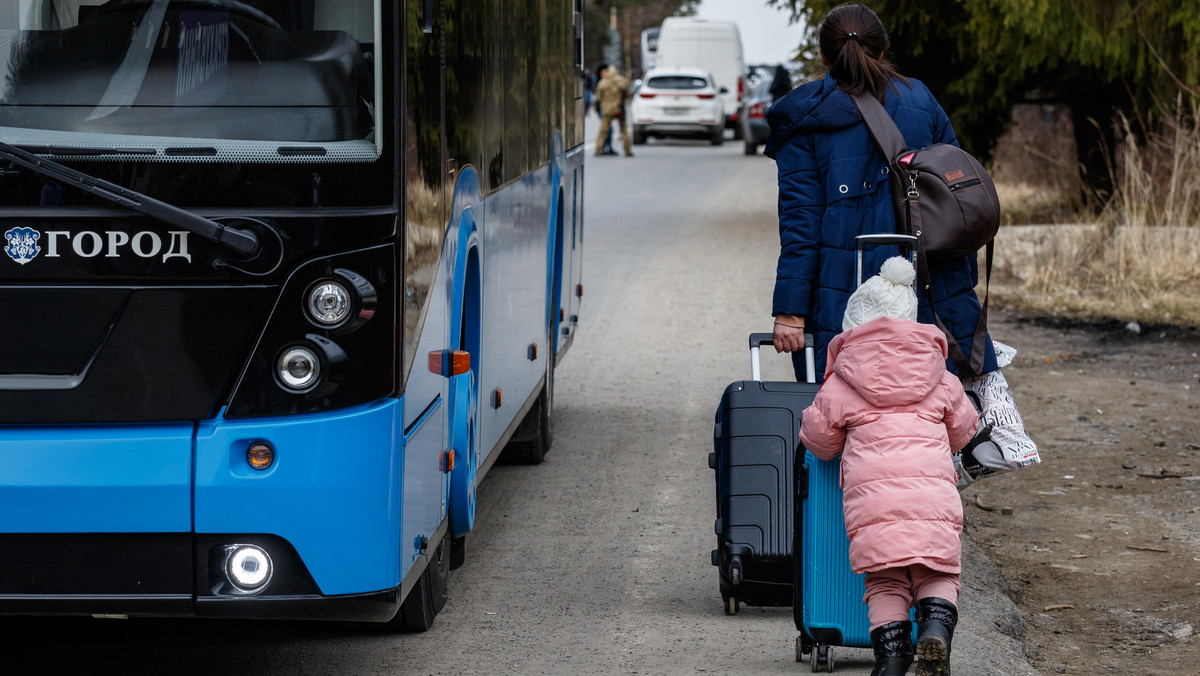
(675,111)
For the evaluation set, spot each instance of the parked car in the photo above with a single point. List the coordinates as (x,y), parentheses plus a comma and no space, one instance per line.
(712,46)
(683,102)
(754,116)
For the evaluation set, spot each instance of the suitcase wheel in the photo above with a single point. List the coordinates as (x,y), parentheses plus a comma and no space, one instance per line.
(735,570)
(731,604)
(822,658)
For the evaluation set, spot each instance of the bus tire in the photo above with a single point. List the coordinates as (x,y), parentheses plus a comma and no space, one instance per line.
(429,595)
(531,442)
(458,552)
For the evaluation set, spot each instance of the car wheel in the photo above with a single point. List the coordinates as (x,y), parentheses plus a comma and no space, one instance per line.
(751,148)
(639,136)
(718,136)
(738,133)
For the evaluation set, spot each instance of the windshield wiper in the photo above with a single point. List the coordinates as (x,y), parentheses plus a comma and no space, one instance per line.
(242,241)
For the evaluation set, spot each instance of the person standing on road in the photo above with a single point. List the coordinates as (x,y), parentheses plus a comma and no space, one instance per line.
(611,95)
(606,149)
(781,84)
(895,414)
(834,185)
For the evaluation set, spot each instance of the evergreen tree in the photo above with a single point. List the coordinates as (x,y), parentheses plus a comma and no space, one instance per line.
(1099,57)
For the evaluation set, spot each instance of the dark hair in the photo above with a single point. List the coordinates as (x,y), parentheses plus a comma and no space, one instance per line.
(852,39)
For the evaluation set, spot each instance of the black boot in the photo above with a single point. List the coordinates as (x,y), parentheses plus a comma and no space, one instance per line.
(935,628)
(893,648)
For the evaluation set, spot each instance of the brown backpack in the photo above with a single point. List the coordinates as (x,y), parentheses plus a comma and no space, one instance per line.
(947,200)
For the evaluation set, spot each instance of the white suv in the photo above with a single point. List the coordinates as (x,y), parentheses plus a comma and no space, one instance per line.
(678,102)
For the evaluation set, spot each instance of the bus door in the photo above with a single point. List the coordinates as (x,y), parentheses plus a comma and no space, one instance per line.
(424,212)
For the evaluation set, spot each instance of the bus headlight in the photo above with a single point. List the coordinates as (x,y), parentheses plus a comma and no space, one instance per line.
(298,368)
(247,567)
(328,303)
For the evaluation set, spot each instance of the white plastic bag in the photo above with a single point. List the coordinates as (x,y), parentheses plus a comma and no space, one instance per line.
(1001,444)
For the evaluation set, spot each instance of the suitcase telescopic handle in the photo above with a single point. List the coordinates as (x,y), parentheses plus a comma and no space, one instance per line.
(885,238)
(861,242)
(759,339)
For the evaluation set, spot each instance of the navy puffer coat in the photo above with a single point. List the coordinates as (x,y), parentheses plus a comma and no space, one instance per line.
(834,185)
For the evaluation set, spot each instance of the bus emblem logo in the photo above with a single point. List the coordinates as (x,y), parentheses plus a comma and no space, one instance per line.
(22,244)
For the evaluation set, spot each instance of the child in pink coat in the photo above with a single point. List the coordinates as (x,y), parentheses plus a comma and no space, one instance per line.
(895,415)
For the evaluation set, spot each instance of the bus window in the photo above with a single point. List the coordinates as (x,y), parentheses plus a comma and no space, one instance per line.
(238,80)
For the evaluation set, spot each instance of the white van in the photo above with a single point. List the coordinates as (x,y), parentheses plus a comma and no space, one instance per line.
(712,46)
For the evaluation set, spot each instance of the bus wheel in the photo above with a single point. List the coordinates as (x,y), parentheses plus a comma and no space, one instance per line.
(429,595)
(458,552)
(531,442)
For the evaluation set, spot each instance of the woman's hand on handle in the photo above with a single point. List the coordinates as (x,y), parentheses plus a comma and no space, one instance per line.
(789,333)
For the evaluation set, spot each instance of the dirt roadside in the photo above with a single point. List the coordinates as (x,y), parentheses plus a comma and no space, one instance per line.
(1100,544)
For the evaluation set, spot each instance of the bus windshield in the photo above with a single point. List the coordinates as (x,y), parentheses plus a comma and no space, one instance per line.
(192,80)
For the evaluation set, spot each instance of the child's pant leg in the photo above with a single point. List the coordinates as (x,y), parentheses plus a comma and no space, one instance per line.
(888,596)
(928,583)
(890,592)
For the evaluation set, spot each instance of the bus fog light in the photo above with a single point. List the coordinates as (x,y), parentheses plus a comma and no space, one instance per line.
(329,303)
(248,567)
(298,368)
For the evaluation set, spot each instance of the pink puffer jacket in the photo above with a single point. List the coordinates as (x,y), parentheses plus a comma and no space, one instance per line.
(892,410)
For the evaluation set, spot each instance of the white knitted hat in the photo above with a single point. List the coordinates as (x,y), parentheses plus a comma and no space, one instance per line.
(888,294)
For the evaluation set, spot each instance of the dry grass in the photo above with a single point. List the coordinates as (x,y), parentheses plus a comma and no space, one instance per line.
(1143,261)
(1024,203)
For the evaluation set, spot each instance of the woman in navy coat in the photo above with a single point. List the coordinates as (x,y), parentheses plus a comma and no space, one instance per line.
(834,184)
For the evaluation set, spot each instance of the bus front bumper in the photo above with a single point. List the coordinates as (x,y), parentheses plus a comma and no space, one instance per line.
(155,574)
(143,520)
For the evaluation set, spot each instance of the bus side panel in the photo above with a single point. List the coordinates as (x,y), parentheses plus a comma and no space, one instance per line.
(514,241)
(572,246)
(333,492)
(122,479)
(425,414)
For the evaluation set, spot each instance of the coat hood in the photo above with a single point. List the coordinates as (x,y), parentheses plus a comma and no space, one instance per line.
(814,106)
(890,362)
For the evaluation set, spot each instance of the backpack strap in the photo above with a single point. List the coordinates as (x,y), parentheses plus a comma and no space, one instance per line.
(881,127)
(891,143)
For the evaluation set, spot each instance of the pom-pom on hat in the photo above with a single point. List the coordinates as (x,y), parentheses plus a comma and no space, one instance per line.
(888,294)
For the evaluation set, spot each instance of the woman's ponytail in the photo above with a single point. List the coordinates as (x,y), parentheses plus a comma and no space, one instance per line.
(852,40)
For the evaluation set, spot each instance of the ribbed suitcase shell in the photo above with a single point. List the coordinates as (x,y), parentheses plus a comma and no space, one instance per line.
(830,608)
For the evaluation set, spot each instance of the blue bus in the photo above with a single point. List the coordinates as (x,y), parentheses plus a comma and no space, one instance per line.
(283,280)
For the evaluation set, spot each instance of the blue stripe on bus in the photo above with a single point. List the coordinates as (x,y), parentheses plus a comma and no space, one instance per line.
(93,479)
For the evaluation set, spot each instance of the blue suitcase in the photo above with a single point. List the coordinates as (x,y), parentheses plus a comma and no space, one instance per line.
(827,596)
(827,605)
